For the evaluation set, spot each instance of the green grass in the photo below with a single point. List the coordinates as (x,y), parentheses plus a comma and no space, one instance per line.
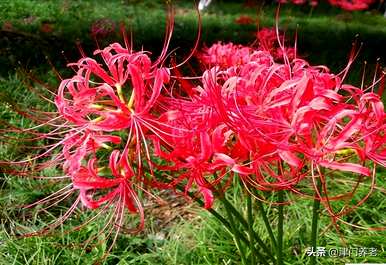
(318,40)
(197,240)
(297,224)
(193,238)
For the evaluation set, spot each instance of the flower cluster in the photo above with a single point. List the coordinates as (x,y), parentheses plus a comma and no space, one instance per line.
(112,107)
(274,124)
(227,55)
(284,122)
(271,122)
(102,28)
(349,5)
(244,20)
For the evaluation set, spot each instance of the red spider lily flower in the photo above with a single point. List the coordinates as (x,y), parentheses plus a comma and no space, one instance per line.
(47,27)
(349,5)
(102,28)
(271,42)
(192,158)
(114,106)
(198,160)
(225,55)
(95,101)
(244,20)
(229,101)
(7,26)
(231,55)
(352,5)
(119,188)
(292,114)
(77,146)
(101,105)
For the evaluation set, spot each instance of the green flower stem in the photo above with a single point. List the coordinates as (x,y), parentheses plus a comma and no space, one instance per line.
(244,223)
(250,230)
(314,225)
(227,225)
(267,223)
(241,236)
(236,235)
(220,218)
(280,229)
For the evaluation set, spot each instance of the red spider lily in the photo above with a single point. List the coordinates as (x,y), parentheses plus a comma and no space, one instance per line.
(349,5)
(120,94)
(7,26)
(94,100)
(119,188)
(225,55)
(194,157)
(112,106)
(270,41)
(352,5)
(292,114)
(244,20)
(47,27)
(102,28)
(101,105)
(231,55)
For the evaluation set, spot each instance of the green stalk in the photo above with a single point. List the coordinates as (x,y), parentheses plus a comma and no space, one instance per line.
(231,209)
(314,225)
(228,226)
(267,224)
(250,226)
(218,216)
(244,223)
(221,219)
(236,235)
(280,229)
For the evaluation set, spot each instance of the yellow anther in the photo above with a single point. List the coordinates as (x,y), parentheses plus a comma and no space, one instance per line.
(347,151)
(131,101)
(100,118)
(97,106)
(119,91)
(106,146)
(99,169)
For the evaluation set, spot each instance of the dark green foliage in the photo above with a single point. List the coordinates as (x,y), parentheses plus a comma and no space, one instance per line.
(33,29)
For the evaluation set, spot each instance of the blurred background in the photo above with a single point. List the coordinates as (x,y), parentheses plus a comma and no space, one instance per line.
(32,30)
